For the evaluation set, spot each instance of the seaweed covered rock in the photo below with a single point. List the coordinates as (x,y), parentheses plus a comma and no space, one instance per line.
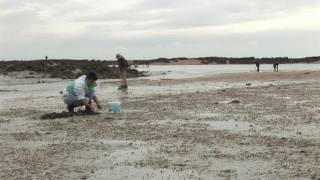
(66,69)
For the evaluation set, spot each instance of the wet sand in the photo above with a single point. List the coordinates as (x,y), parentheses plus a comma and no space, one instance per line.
(168,129)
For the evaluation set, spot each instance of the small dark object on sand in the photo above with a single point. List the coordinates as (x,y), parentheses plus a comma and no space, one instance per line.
(248,84)
(56,115)
(65,115)
(303,151)
(307,73)
(234,101)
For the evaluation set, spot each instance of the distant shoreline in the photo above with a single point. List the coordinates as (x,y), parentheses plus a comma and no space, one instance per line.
(199,60)
(227,60)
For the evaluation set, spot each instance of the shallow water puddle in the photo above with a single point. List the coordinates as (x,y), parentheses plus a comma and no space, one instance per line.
(302,131)
(123,151)
(233,125)
(16,125)
(117,163)
(308,131)
(32,144)
(248,169)
(217,169)
(188,71)
(135,173)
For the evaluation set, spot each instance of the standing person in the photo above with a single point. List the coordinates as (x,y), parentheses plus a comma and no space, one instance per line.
(81,92)
(275,67)
(46,58)
(257,65)
(123,68)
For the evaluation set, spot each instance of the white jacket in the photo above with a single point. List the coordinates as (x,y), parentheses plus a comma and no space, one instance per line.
(80,88)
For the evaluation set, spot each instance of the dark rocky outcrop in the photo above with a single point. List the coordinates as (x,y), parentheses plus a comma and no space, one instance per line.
(66,69)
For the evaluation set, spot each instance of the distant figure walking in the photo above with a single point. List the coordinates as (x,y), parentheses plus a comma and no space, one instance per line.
(46,58)
(123,68)
(257,65)
(275,67)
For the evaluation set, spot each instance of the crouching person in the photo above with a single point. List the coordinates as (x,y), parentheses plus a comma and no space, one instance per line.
(81,92)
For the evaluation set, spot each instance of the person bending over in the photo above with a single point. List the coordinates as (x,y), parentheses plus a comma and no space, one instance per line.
(81,92)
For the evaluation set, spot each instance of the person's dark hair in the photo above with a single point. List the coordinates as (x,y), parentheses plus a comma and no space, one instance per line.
(118,56)
(92,76)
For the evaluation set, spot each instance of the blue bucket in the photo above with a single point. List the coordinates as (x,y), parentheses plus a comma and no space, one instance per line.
(115,106)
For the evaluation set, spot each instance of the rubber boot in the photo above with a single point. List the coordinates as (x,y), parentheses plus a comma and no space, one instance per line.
(70,108)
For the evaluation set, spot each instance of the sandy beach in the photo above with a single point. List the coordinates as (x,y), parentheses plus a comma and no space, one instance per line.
(224,126)
(159,90)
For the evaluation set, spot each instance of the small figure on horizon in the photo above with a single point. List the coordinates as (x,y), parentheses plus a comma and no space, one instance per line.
(257,61)
(147,64)
(123,68)
(275,67)
(81,92)
(46,58)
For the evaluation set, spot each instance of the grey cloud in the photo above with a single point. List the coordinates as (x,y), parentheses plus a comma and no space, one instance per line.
(24,33)
(191,13)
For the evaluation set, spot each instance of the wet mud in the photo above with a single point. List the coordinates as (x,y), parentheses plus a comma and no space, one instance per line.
(178,130)
(65,114)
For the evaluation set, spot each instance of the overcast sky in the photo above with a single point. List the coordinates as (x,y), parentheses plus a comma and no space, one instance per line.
(144,29)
